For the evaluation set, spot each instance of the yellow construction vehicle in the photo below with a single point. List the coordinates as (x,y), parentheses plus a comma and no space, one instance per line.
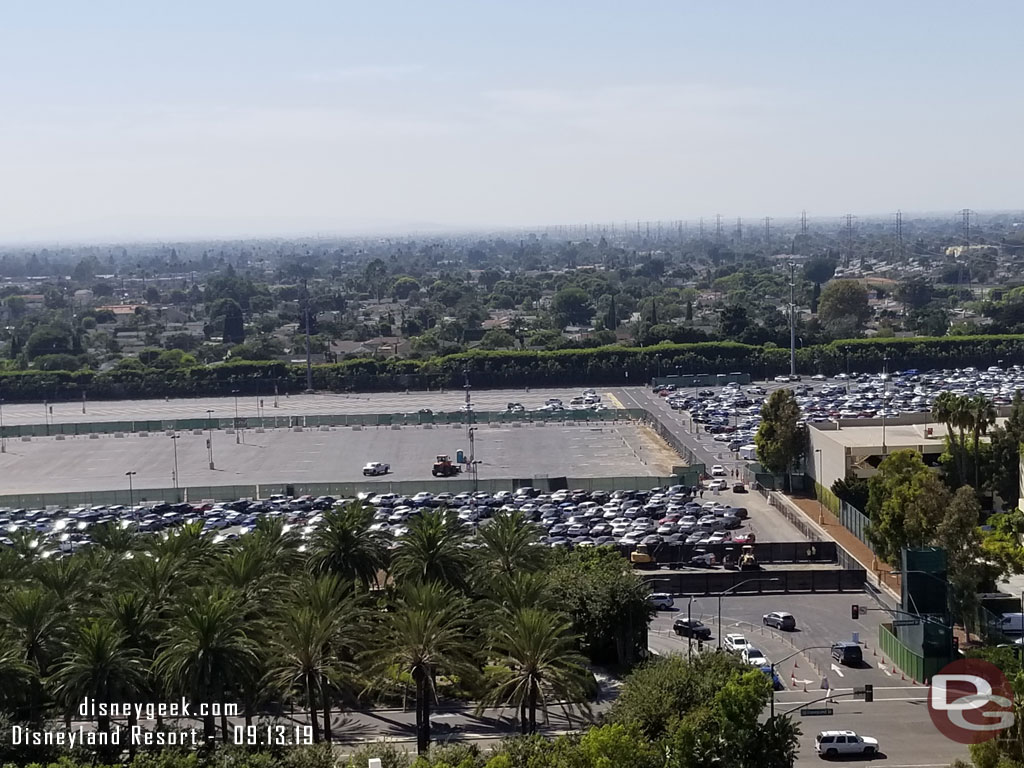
(747,560)
(642,558)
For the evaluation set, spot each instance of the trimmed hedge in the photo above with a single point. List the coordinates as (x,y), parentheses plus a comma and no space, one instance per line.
(613,365)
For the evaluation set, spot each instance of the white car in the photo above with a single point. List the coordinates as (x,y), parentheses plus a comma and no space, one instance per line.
(836,743)
(717,470)
(374,468)
(736,643)
(752,655)
(718,485)
(662,601)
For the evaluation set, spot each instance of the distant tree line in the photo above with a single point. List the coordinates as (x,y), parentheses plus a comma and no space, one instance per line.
(611,365)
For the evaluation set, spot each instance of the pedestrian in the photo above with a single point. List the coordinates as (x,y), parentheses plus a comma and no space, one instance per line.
(702,492)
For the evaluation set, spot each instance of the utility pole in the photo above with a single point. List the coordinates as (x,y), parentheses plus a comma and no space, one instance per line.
(792,319)
(209,435)
(471,432)
(309,353)
(849,237)
(899,233)
(174,442)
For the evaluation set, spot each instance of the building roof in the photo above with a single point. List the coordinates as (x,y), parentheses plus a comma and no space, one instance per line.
(897,436)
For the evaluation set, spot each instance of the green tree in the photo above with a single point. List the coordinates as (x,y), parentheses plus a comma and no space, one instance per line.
(497,338)
(100,666)
(843,307)
(512,544)
(915,293)
(780,440)
(607,602)
(207,648)
(906,502)
(539,649)
(959,535)
(404,286)
(433,550)
(820,269)
(345,544)
(1005,444)
(424,634)
(982,416)
(571,306)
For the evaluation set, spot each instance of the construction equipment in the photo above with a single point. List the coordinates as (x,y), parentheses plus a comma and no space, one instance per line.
(443,467)
(642,558)
(747,560)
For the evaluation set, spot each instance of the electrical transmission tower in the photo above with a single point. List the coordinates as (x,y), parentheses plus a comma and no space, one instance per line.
(718,227)
(768,232)
(848,237)
(739,228)
(899,233)
(965,224)
(803,222)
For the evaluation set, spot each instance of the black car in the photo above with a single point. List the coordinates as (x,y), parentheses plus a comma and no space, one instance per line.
(739,488)
(848,654)
(691,628)
(425,411)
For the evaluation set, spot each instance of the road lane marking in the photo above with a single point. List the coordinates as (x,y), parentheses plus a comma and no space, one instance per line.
(837,670)
(614,399)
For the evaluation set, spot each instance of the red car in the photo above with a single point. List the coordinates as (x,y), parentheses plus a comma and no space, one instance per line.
(746,537)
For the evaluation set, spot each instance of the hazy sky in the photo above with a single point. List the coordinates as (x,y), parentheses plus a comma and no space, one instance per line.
(177,119)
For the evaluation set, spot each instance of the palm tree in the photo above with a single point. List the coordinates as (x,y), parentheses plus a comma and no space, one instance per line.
(963,420)
(951,410)
(69,578)
(102,666)
(512,544)
(304,660)
(983,413)
(206,650)
(280,546)
(345,545)
(340,608)
(37,622)
(114,538)
(511,592)
(16,676)
(425,633)
(433,550)
(541,652)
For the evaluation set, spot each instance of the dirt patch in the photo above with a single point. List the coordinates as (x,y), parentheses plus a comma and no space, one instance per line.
(657,453)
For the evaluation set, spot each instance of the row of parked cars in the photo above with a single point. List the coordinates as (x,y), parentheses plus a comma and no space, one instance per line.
(733,412)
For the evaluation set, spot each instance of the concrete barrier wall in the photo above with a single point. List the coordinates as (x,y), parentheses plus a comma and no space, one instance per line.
(714,582)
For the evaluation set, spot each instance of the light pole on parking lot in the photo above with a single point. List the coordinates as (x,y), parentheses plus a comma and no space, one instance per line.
(209,435)
(821,509)
(174,442)
(131,491)
(729,590)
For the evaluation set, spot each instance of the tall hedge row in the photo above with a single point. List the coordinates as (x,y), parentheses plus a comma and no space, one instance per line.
(491,369)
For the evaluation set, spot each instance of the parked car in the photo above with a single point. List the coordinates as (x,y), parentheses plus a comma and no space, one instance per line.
(835,743)
(663,601)
(735,643)
(691,628)
(739,488)
(754,656)
(780,620)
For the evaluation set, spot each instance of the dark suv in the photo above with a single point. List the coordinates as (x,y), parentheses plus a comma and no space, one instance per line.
(848,654)
(691,628)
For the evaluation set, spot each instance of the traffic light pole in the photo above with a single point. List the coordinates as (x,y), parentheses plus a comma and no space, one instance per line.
(787,658)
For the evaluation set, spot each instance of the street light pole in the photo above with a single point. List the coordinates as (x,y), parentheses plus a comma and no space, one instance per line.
(238,434)
(726,592)
(787,658)
(131,491)
(209,435)
(792,319)
(3,438)
(174,442)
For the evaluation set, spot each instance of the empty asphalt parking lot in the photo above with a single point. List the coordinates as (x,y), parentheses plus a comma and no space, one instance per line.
(284,456)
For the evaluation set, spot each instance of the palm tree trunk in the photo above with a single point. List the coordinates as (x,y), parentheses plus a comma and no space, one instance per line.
(977,461)
(524,723)
(533,707)
(325,698)
(422,710)
(311,703)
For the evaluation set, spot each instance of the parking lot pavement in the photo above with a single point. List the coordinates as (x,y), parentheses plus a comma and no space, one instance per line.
(283,456)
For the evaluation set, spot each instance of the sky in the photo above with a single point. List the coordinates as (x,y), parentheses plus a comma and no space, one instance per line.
(149,120)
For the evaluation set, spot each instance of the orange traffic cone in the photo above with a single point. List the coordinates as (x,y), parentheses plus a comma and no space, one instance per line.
(796,665)
(903,677)
(894,669)
(913,681)
(805,687)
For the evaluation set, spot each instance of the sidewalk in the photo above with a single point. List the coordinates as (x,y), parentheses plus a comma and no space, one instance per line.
(859,550)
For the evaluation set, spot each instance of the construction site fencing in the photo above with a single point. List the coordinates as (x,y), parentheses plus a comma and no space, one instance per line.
(195,494)
(716,582)
(362,420)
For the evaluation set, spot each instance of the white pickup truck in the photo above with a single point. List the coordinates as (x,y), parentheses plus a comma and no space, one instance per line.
(376,468)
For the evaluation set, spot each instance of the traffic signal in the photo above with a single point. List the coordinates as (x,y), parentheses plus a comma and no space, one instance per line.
(869,692)
(855,611)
